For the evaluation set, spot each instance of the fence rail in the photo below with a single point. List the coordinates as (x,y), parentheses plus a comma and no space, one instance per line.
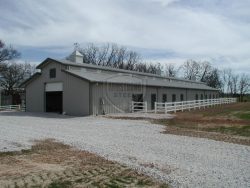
(12,108)
(188,105)
(139,107)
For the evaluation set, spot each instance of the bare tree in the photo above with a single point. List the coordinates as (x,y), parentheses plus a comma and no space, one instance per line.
(171,70)
(244,85)
(132,59)
(213,79)
(115,56)
(227,75)
(205,70)
(191,70)
(235,80)
(13,74)
(7,52)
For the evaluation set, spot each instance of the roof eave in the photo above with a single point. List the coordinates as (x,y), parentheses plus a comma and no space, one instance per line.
(26,82)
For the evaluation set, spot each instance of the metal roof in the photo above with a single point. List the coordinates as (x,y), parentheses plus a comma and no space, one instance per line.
(124,78)
(113,75)
(70,63)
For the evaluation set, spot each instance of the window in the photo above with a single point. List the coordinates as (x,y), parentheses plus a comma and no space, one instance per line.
(201,96)
(173,98)
(153,100)
(52,73)
(196,97)
(182,97)
(164,98)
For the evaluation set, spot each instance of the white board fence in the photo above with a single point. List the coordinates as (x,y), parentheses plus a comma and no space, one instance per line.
(139,106)
(188,105)
(12,108)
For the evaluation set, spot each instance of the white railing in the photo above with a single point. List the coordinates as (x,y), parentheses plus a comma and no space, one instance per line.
(188,105)
(12,108)
(139,107)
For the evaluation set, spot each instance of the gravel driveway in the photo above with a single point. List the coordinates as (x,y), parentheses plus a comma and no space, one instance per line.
(182,161)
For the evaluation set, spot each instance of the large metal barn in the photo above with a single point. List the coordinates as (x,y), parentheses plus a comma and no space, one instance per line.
(80,89)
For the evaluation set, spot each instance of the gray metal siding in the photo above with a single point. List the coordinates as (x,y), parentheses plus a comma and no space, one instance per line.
(75,92)
(0,96)
(35,96)
(75,96)
(115,100)
(110,100)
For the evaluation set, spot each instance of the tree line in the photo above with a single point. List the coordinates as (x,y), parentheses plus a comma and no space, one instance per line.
(112,55)
(229,83)
(120,57)
(13,73)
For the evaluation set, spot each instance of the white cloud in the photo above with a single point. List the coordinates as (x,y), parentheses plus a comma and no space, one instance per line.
(191,29)
(164,2)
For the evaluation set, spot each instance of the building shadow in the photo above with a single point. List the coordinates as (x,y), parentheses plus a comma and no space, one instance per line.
(35,114)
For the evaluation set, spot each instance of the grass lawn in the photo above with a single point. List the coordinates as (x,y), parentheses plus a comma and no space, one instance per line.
(55,165)
(230,123)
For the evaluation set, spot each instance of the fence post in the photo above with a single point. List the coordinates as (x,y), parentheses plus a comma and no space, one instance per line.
(175,107)
(182,106)
(132,106)
(155,108)
(146,106)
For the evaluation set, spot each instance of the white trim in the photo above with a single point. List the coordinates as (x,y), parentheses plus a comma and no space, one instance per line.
(55,86)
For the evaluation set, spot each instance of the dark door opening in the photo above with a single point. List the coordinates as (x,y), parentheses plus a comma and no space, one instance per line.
(182,97)
(138,98)
(164,98)
(153,100)
(54,101)
(173,99)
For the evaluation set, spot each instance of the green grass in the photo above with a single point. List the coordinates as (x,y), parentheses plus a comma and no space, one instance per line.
(198,123)
(164,186)
(144,183)
(225,110)
(241,131)
(13,153)
(243,115)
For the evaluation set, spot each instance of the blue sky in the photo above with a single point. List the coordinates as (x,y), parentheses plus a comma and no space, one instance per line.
(166,31)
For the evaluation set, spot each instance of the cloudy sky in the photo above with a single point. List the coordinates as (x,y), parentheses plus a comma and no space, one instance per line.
(161,30)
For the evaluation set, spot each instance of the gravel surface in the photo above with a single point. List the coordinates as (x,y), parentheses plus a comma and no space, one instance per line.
(182,161)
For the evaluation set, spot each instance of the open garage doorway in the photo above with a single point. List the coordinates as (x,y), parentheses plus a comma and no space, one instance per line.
(54,97)
(54,101)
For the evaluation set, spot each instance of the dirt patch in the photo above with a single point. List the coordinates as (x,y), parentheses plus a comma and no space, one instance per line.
(139,116)
(210,135)
(52,164)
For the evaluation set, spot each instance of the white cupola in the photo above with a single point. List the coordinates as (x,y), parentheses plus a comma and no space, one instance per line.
(76,57)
